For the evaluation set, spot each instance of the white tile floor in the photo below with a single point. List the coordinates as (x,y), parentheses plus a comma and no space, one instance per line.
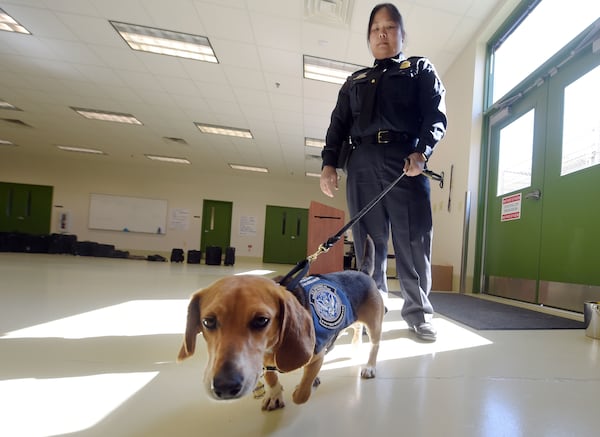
(88,346)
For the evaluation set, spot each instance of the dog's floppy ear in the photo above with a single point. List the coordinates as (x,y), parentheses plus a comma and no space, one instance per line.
(191,330)
(297,337)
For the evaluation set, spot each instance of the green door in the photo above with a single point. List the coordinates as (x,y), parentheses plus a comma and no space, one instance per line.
(542,235)
(514,211)
(25,208)
(286,235)
(569,268)
(216,224)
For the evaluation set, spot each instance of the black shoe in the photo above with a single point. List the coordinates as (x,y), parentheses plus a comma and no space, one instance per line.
(425,331)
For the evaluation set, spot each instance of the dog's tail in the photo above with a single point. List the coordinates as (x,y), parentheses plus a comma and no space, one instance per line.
(368,262)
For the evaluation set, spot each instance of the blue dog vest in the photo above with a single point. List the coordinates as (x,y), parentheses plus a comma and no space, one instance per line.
(330,308)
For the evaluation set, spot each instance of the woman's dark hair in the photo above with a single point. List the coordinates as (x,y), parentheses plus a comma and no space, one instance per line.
(394,13)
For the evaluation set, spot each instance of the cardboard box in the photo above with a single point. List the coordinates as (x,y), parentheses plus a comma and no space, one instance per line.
(441,278)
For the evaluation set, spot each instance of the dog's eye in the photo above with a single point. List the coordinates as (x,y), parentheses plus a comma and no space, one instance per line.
(259,322)
(209,323)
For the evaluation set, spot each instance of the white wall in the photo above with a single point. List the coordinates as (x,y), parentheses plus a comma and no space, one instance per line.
(462,145)
(459,148)
(74,179)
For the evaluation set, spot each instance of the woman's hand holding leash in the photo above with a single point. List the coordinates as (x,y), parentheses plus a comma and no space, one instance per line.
(414,164)
(329,180)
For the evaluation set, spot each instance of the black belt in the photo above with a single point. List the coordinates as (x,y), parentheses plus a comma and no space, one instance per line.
(384,137)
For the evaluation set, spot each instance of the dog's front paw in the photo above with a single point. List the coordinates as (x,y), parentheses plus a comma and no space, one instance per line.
(273,399)
(367,372)
(302,394)
(275,403)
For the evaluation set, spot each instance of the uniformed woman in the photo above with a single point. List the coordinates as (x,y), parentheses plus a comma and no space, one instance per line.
(390,117)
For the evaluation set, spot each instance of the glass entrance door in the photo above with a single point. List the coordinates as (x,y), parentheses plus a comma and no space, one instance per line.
(542,236)
(514,207)
(570,246)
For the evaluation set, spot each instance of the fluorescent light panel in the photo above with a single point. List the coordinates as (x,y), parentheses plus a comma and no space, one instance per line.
(328,70)
(314,142)
(96,114)
(224,130)
(9,24)
(249,168)
(5,105)
(81,150)
(6,143)
(166,42)
(170,159)
(313,175)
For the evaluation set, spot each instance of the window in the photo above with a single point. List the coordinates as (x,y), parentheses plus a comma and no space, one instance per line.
(581,124)
(543,28)
(515,154)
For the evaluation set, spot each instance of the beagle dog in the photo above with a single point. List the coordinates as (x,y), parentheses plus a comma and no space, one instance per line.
(253,326)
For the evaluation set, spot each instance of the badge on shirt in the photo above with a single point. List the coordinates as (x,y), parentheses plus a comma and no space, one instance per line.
(404,65)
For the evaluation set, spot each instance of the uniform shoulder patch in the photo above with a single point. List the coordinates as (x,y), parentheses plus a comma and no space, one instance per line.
(361,74)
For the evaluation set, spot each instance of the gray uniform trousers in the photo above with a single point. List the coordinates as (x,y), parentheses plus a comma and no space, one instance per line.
(405,210)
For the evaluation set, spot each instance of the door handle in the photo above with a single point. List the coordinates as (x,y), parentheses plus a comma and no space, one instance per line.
(534,195)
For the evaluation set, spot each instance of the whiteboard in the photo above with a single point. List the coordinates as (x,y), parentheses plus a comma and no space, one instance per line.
(127,214)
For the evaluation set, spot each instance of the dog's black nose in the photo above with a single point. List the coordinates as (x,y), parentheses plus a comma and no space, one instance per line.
(228,384)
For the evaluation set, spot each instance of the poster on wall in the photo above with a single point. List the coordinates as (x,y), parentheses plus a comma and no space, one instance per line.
(247,225)
(179,219)
(511,208)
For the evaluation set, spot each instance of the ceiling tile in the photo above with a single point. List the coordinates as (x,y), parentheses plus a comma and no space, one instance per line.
(76,58)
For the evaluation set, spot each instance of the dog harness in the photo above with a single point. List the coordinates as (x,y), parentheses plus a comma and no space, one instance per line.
(330,308)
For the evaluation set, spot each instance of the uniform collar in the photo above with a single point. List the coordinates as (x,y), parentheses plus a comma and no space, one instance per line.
(398,58)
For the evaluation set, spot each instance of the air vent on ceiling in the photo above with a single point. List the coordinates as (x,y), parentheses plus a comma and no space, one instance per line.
(329,11)
(15,122)
(175,140)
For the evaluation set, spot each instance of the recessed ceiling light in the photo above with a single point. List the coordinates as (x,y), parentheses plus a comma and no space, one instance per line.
(166,42)
(327,70)
(5,105)
(175,140)
(314,142)
(249,168)
(81,150)
(9,24)
(118,117)
(170,159)
(15,122)
(224,130)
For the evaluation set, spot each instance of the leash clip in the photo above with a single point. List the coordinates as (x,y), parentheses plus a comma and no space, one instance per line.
(320,250)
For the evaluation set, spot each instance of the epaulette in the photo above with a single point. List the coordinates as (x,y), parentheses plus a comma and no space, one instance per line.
(360,73)
(419,60)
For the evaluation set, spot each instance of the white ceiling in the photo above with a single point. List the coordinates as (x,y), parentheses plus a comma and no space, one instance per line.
(74,58)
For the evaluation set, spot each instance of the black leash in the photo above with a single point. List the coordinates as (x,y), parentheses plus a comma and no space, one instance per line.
(301,269)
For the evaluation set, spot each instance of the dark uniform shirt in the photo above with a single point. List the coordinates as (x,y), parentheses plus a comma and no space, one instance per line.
(409,100)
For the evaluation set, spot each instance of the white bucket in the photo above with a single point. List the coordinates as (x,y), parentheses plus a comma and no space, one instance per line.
(591,319)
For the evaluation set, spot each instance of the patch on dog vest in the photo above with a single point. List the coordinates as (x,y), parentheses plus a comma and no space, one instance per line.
(330,308)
